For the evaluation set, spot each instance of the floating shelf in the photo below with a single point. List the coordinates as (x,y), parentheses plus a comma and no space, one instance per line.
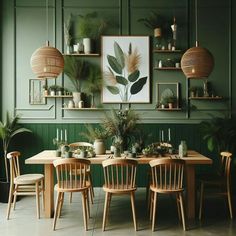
(206,98)
(166,51)
(82,109)
(83,54)
(167,68)
(58,96)
(169,109)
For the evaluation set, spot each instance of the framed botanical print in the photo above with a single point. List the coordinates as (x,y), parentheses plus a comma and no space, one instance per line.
(36,88)
(125,68)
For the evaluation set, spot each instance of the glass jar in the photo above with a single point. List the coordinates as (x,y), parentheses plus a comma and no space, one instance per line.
(183,149)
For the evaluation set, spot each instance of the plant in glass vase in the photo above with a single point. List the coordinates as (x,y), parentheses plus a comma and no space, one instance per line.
(67,34)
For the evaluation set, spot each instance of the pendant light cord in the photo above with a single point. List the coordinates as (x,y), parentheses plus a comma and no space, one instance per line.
(47,40)
(196,23)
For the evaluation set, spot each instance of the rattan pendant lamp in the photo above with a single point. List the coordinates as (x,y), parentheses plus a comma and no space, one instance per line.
(197,62)
(47,61)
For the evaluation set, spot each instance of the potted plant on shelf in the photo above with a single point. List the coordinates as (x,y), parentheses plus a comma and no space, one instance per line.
(90,27)
(8,130)
(121,125)
(68,34)
(93,84)
(77,71)
(168,99)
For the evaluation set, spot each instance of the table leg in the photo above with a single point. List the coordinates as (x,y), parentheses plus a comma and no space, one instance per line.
(49,190)
(190,188)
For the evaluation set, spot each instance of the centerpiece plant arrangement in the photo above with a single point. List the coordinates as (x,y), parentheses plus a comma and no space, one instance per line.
(121,127)
(8,130)
(123,77)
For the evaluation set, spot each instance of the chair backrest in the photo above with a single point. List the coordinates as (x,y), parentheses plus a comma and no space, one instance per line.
(14,164)
(119,173)
(167,174)
(80,144)
(226,158)
(71,173)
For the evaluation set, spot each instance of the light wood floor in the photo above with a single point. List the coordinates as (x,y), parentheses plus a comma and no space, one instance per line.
(23,220)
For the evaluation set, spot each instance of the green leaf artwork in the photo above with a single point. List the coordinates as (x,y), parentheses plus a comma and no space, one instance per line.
(125,78)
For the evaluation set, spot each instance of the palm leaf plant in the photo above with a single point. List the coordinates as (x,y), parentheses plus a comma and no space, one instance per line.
(8,130)
(76,70)
(123,77)
(121,125)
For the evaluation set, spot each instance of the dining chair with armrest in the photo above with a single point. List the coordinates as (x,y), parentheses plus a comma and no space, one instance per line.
(23,184)
(66,182)
(221,180)
(167,178)
(119,177)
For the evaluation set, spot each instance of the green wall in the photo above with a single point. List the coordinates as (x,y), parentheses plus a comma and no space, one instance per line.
(23,29)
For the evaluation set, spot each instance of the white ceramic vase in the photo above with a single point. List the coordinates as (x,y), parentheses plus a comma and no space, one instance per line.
(99,147)
(76,98)
(87,45)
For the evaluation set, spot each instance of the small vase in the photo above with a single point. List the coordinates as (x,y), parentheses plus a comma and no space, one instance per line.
(83,154)
(183,149)
(58,153)
(76,98)
(99,147)
(87,45)
(117,152)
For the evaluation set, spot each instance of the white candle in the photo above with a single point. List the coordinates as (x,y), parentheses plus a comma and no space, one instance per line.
(162,135)
(65,135)
(169,134)
(57,135)
(61,135)
(159,135)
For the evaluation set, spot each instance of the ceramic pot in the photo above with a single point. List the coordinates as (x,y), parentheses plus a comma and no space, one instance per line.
(87,45)
(76,98)
(99,147)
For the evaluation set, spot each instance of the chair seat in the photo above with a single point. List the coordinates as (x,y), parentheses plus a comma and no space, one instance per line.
(72,186)
(167,190)
(28,179)
(118,188)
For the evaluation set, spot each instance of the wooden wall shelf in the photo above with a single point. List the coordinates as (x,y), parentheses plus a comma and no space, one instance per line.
(167,68)
(58,96)
(83,54)
(82,109)
(169,109)
(166,51)
(206,98)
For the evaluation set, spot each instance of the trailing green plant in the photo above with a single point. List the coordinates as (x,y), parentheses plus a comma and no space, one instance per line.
(8,130)
(124,77)
(91,26)
(76,70)
(220,134)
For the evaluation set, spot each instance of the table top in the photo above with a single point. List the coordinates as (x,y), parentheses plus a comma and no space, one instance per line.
(48,156)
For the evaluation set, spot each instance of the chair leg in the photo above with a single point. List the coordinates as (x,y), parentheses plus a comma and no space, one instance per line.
(151,205)
(84,203)
(15,195)
(182,210)
(9,201)
(70,198)
(132,196)
(230,204)
(178,206)
(154,211)
(91,182)
(88,206)
(56,210)
(37,199)
(61,201)
(105,211)
(201,201)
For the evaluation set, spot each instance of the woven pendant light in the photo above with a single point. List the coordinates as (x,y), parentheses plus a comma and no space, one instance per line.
(197,62)
(46,61)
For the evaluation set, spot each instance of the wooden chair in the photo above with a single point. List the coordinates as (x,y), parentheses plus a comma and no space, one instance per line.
(119,176)
(74,146)
(66,182)
(220,180)
(167,178)
(27,184)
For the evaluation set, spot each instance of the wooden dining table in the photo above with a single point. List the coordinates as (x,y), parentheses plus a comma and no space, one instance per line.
(192,159)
